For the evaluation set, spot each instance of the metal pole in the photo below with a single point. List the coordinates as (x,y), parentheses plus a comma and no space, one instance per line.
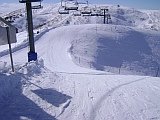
(10,50)
(107,18)
(104,16)
(31,54)
(30,26)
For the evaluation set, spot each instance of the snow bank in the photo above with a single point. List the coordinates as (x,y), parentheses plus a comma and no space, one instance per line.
(3,66)
(113,48)
(29,93)
(10,81)
(32,68)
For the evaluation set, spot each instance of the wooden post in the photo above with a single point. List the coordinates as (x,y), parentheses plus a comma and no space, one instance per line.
(157,72)
(79,60)
(119,70)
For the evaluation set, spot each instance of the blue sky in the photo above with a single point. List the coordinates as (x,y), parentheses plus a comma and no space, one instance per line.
(144,4)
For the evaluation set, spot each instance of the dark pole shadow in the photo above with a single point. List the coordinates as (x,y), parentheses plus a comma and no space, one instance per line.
(132,48)
(52,96)
(89,73)
(14,105)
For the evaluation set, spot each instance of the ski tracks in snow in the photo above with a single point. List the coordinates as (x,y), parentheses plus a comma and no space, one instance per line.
(117,103)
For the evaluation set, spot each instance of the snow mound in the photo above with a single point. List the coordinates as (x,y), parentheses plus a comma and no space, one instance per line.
(110,48)
(3,66)
(23,93)
(33,67)
(10,82)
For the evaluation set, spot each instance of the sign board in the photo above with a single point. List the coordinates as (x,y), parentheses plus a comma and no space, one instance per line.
(24,1)
(3,35)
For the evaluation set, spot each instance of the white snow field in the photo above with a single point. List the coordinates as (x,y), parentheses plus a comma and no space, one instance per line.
(85,70)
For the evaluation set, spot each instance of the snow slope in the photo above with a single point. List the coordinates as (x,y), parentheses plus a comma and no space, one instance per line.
(71,92)
(100,47)
(7,8)
(67,83)
(36,93)
(49,16)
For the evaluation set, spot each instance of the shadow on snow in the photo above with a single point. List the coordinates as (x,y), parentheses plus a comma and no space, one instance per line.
(52,96)
(131,47)
(16,106)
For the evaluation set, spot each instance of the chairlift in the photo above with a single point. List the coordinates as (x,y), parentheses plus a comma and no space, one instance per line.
(71,5)
(83,3)
(86,10)
(104,8)
(71,8)
(37,6)
(62,10)
(77,13)
(25,1)
(96,12)
(86,15)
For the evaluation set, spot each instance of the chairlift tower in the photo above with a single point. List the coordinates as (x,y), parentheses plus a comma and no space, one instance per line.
(32,55)
(104,12)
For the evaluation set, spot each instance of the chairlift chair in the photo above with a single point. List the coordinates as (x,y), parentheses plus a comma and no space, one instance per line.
(86,10)
(77,13)
(71,5)
(37,6)
(71,8)
(96,14)
(86,15)
(24,1)
(104,8)
(62,10)
(83,3)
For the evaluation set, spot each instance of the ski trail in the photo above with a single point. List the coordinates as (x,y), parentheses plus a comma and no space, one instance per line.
(57,57)
(99,103)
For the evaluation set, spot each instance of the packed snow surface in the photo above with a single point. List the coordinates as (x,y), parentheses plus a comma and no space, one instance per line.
(83,72)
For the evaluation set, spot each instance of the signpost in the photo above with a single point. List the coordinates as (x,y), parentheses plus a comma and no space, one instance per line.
(9,43)
(8,36)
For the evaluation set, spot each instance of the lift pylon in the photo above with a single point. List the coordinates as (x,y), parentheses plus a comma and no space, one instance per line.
(32,55)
